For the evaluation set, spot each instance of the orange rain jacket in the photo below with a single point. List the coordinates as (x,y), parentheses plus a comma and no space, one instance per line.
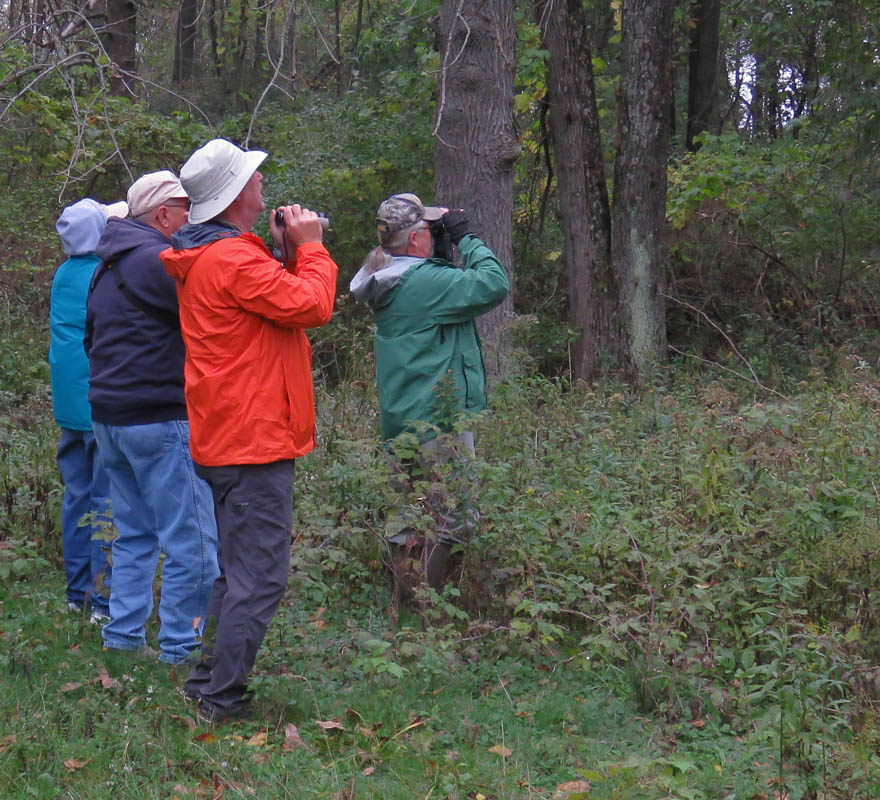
(248,368)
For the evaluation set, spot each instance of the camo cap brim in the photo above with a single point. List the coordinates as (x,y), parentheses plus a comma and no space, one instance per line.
(401,211)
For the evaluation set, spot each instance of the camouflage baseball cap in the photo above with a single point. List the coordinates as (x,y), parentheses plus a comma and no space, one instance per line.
(402,210)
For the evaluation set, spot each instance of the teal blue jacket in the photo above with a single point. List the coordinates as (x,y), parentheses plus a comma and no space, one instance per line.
(424,311)
(68,363)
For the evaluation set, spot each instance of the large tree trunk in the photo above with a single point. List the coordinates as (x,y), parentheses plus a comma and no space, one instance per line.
(185,41)
(120,36)
(639,212)
(583,194)
(703,69)
(475,144)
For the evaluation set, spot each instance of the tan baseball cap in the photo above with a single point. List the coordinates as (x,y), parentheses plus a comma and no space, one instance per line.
(151,190)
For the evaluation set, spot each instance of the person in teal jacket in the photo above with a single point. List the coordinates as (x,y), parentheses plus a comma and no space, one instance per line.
(429,363)
(85,517)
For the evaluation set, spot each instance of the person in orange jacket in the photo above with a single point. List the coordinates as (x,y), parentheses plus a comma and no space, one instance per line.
(249,394)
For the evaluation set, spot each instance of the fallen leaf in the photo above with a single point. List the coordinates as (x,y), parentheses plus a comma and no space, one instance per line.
(292,739)
(573,787)
(257,740)
(6,741)
(69,687)
(718,768)
(207,738)
(501,750)
(330,725)
(698,723)
(368,771)
(74,763)
(105,680)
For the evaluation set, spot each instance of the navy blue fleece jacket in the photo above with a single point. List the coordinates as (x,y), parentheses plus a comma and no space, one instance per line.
(135,358)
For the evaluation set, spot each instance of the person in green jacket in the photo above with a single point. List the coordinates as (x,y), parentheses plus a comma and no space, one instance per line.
(429,363)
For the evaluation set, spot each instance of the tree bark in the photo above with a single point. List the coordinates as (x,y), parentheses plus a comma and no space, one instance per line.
(356,45)
(639,210)
(475,144)
(291,41)
(185,41)
(213,31)
(337,46)
(120,37)
(702,112)
(259,43)
(583,194)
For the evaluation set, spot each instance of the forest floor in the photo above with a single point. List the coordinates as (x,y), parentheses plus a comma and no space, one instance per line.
(78,722)
(672,594)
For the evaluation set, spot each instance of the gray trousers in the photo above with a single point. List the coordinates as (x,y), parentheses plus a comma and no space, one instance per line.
(253,504)
(454,525)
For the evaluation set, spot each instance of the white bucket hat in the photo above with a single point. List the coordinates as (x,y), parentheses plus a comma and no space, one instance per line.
(214,176)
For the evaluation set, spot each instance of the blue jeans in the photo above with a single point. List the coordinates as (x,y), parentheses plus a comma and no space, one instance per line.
(85,542)
(159,503)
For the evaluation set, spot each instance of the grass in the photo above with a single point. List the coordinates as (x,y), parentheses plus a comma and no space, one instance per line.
(672,595)
(459,723)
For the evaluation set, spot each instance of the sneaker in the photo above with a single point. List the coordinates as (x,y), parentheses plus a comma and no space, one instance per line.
(99,618)
(191,694)
(209,714)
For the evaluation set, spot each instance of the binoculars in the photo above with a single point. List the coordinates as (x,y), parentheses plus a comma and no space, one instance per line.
(324,219)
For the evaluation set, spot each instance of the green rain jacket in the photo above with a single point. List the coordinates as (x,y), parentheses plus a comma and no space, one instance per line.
(424,311)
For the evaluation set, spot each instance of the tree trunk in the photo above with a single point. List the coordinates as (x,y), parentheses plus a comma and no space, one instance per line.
(259,43)
(356,45)
(337,46)
(185,41)
(120,36)
(639,211)
(291,41)
(241,43)
(475,145)
(213,30)
(703,70)
(583,194)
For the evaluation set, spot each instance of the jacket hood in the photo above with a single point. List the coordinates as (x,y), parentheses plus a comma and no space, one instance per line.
(80,226)
(187,243)
(204,233)
(376,287)
(121,236)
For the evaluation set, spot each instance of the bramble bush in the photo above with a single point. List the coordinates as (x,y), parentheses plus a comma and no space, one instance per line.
(776,242)
(718,549)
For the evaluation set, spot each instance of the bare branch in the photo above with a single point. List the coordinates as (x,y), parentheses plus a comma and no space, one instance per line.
(441,100)
(269,85)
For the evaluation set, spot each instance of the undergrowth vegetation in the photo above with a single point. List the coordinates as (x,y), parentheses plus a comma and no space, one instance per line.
(671,593)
